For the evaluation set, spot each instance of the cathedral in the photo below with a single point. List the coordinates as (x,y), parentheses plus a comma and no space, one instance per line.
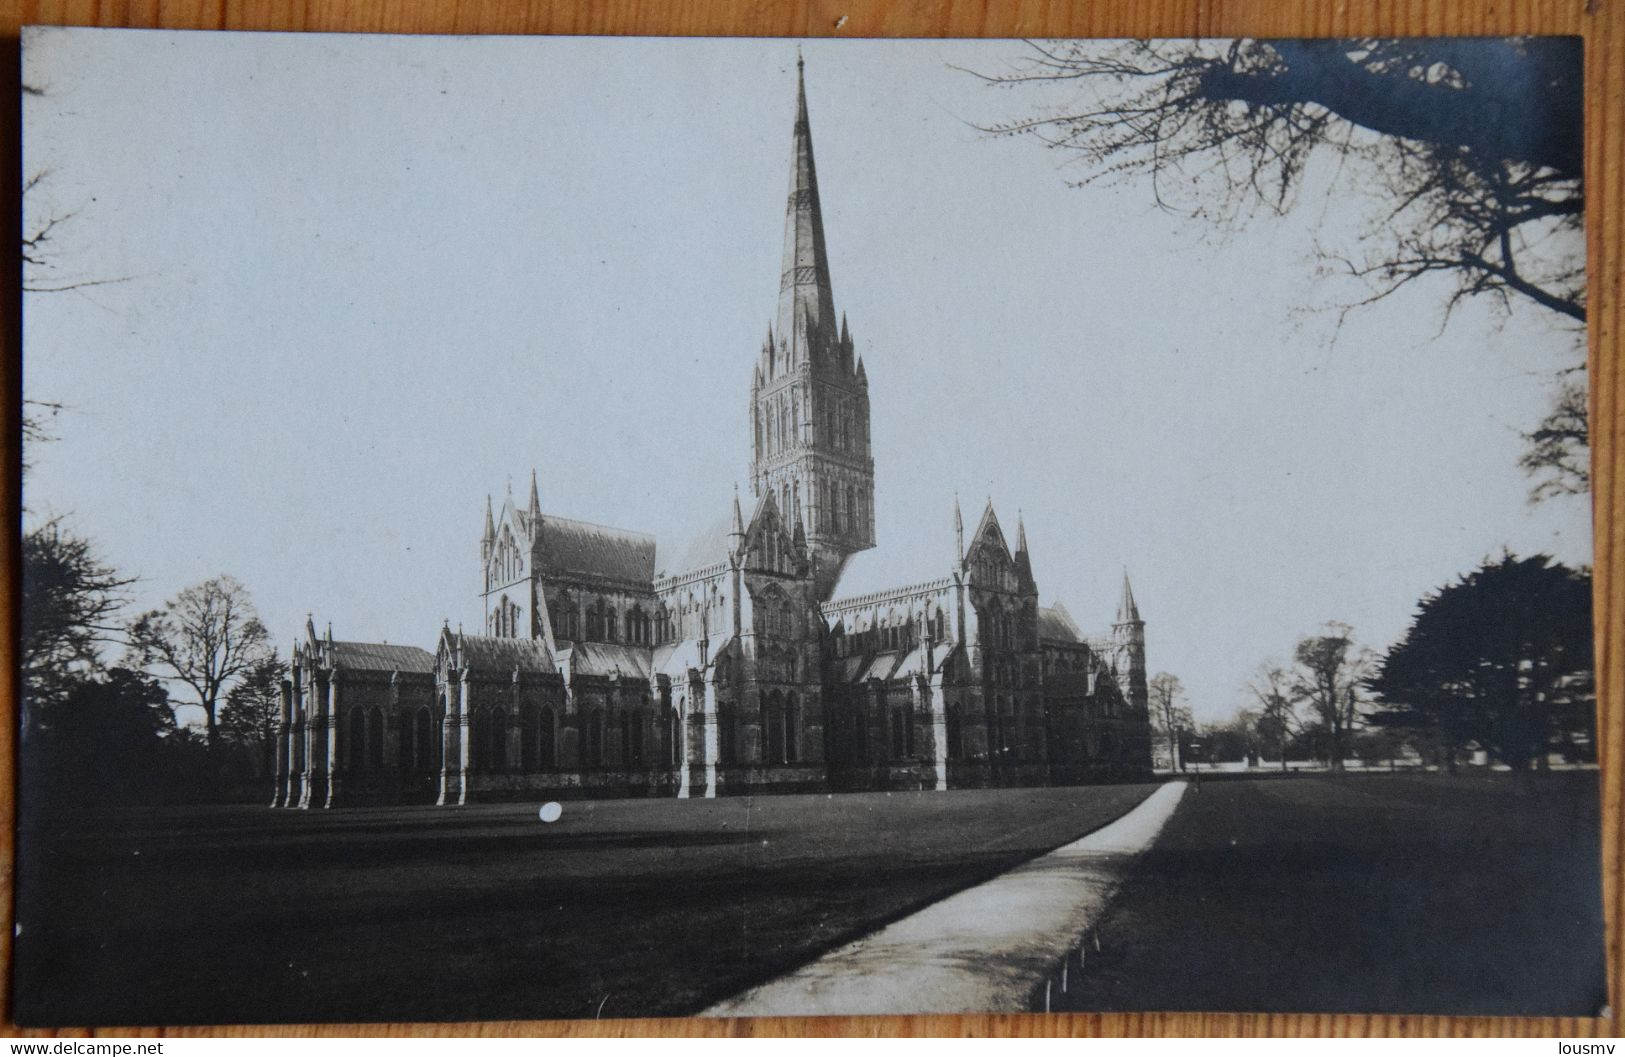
(771,654)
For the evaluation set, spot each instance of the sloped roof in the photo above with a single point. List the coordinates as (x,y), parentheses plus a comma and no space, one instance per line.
(1056,625)
(490,653)
(674,659)
(585,549)
(871,571)
(708,548)
(381,657)
(608,658)
(894,664)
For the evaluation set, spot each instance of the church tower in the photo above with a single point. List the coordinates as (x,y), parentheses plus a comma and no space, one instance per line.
(1128,649)
(809,396)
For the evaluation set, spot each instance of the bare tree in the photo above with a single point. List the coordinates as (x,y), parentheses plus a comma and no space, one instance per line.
(1477,144)
(70,603)
(205,637)
(1277,717)
(1169,713)
(1329,670)
(1558,452)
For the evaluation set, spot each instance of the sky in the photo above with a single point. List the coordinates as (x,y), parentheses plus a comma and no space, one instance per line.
(364,282)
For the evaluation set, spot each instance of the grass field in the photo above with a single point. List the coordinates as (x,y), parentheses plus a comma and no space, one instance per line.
(1410,893)
(622,908)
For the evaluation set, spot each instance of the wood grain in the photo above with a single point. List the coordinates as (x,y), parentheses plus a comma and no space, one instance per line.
(1600,22)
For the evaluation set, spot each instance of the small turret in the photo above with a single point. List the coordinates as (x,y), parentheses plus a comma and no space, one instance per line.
(489,538)
(1024,562)
(1128,649)
(736,531)
(535,508)
(959,534)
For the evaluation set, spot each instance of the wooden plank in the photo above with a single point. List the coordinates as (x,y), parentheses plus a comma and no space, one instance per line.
(1601,22)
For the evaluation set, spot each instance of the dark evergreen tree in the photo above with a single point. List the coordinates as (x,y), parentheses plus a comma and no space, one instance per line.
(1498,657)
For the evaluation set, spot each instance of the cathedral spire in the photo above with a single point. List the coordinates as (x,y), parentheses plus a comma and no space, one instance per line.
(805,298)
(535,496)
(1127,611)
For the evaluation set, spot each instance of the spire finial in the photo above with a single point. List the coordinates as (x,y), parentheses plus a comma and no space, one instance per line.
(535,496)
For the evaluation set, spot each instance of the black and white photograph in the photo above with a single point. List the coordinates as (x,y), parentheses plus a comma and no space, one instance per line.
(588,527)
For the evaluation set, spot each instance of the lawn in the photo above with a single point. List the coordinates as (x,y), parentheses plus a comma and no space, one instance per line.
(1410,893)
(622,908)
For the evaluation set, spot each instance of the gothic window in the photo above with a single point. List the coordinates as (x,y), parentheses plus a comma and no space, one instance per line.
(529,736)
(673,738)
(851,509)
(610,625)
(547,752)
(424,741)
(375,737)
(407,745)
(480,729)
(787,626)
(792,728)
(773,728)
(727,733)
(496,753)
(901,731)
(595,739)
(632,738)
(357,738)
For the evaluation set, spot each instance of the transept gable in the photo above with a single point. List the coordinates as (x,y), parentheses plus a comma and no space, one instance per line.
(988,543)
(769,544)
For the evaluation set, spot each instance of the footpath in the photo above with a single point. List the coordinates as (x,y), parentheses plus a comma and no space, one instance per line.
(988,949)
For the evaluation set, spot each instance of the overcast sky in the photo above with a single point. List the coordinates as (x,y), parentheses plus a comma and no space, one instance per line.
(368,280)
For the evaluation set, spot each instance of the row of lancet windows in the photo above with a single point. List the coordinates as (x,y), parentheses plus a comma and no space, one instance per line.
(603,623)
(842,509)
(778,426)
(505,619)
